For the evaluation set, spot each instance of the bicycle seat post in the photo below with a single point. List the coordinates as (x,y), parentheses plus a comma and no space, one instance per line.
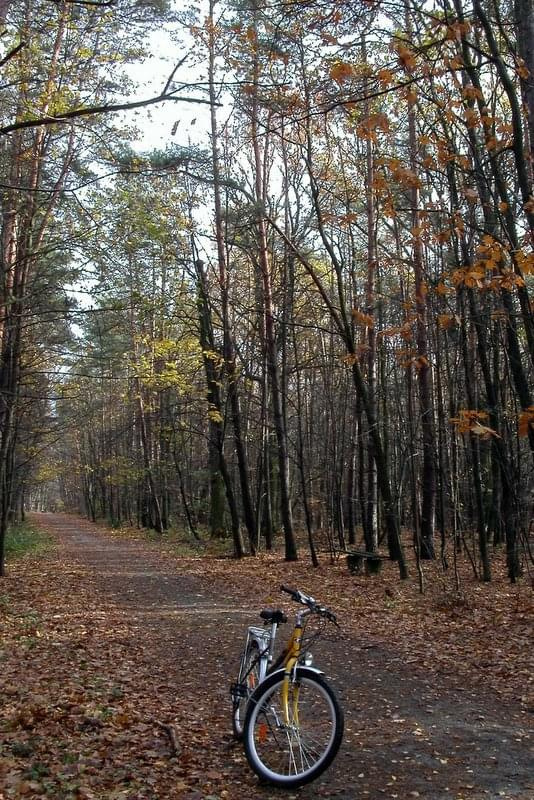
(274,626)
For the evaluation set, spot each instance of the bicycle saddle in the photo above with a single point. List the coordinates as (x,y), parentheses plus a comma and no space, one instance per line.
(273,615)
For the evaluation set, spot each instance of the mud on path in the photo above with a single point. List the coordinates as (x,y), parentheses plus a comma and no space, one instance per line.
(136,653)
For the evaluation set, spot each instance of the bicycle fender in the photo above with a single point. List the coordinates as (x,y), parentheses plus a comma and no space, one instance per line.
(300,668)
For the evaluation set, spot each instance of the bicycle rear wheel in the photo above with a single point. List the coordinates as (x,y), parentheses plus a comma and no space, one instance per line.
(247,681)
(295,752)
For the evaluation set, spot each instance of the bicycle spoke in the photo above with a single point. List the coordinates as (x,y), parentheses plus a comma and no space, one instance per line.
(291,752)
(248,680)
(293,725)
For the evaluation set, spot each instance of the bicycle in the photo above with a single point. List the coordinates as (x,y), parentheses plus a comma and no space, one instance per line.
(285,712)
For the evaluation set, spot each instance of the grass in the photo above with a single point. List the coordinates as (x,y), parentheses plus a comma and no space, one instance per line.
(22,539)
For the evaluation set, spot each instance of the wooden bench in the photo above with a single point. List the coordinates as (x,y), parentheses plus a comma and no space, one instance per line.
(359,561)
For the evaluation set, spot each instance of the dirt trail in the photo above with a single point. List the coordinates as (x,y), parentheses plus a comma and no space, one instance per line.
(405,736)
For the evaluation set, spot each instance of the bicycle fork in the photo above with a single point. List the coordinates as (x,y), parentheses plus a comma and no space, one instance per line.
(291,719)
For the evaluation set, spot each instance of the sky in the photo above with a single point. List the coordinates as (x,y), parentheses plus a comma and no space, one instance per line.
(168,123)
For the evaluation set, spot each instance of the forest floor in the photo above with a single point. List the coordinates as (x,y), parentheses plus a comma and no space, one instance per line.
(116,656)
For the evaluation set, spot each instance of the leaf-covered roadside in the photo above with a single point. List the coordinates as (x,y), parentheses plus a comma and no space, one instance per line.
(90,711)
(108,696)
(479,633)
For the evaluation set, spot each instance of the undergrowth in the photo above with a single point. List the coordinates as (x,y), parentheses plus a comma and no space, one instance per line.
(22,539)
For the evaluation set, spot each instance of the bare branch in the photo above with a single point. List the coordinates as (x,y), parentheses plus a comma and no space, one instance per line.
(98,3)
(12,53)
(93,110)
(173,73)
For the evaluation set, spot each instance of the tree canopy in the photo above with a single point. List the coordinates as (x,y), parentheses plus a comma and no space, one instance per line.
(308,318)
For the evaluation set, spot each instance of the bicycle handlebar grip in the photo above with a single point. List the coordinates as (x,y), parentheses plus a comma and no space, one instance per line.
(293,592)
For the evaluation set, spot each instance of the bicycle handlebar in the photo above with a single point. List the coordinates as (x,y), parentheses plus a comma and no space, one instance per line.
(311,602)
(297,595)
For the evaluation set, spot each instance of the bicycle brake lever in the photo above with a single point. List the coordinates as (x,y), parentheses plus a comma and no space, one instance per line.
(329,615)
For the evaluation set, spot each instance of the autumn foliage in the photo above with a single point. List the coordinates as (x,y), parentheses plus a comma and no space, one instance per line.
(117,658)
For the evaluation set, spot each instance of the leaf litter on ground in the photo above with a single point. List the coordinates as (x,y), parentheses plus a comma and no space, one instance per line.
(96,704)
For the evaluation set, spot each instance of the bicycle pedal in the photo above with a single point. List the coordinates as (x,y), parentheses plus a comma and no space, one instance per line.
(238,691)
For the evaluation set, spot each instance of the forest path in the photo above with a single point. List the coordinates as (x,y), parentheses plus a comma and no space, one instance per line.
(169,639)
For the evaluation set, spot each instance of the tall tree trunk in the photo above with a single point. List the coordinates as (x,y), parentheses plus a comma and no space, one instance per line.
(475,458)
(147,460)
(207,344)
(371,511)
(228,346)
(291,553)
(424,373)
(524,26)
(340,320)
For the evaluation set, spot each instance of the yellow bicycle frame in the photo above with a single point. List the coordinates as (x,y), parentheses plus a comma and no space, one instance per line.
(290,661)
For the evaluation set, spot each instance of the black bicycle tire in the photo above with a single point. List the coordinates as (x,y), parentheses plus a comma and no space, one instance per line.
(239,707)
(266,689)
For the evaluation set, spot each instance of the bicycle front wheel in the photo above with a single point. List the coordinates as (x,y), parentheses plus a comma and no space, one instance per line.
(248,680)
(294,750)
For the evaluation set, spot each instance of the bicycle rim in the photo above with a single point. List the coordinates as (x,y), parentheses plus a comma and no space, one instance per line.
(293,752)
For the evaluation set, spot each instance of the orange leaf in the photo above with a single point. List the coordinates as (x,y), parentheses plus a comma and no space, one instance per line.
(341,71)
(365,319)
(446,321)
(406,57)
(526,421)
(262,732)
(385,76)
(522,69)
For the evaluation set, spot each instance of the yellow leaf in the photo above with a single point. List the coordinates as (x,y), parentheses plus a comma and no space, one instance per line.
(215,416)
(525,262)
(470,421)
(474,278)
(442,289)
